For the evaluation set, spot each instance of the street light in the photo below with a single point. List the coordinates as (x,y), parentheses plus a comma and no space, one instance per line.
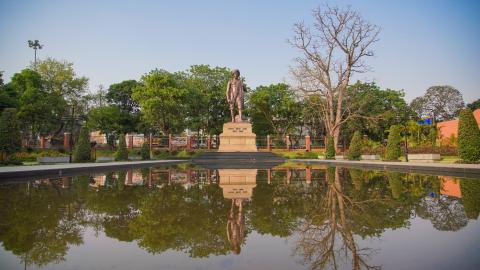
(35,44)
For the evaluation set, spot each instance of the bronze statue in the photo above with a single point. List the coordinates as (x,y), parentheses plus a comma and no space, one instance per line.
(235,95)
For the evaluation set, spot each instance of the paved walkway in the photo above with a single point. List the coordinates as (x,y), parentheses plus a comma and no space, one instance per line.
(65,168)
(472,170)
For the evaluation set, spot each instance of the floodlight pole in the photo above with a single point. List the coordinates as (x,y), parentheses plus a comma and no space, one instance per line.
(35,44)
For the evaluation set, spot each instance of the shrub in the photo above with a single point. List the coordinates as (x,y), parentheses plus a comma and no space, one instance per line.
(82,149)
(393,151)
(468,137)
(145,151)
(355,150)
(330,153)
(122,152)
(470,199)
(10,141)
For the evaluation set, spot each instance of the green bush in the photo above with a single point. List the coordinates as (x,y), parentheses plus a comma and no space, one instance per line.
(470,189)
(393,151)
(355,149)
(122,152)
(330,153)
(10,141)
(82,150)
(468,137)
(145,151)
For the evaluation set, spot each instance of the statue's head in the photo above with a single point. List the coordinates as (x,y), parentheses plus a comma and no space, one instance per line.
(236,73)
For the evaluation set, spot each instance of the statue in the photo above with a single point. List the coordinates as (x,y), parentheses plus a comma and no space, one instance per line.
(235,95)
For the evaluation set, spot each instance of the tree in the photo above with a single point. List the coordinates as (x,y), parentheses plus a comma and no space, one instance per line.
(393,151)
(82,150)
(332,51)
(474,105)
(376,110)
(330,153)
(120,95)
(207,109)
(39,111)
(111,121)
(355,149)
(8,95)
(122,152)
(441,102)
(162,101)
(274,110)
(468,137)
(145,151)
(10,140)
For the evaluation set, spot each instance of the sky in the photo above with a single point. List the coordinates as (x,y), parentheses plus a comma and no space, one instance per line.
(422,43)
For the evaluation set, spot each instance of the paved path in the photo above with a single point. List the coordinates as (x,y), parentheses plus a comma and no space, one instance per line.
(68,168)
(471,170)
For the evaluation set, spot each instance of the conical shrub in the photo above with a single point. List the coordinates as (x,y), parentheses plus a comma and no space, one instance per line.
(330,153)
(355,149)
(468,137)
(122,153)
(82,150)
(393,151)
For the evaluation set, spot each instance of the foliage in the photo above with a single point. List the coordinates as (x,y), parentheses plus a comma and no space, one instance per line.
(393,151)
(441,102)
(82,150)
(375,110)
(355,149)
(109,120)
(162,99)
(8,96)
(10,140)
(474,105)
(274,110)
(330,152)
(470,189)
(468,137)
(145,151)
(122,153)
(207,109)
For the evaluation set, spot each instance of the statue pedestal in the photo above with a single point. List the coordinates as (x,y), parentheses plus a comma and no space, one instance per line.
(237,137)
(237,183)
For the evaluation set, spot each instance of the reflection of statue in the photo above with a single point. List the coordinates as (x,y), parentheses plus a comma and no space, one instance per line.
(235,95)
(236,226)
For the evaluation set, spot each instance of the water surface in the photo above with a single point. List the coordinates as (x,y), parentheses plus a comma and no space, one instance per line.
(287,217)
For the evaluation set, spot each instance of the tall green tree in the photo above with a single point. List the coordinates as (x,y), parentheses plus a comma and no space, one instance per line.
(108,120)
(274,110)
(122,152)
(39,111)
(355,149)
(162,100)
(468,137)
(474,105)
(393,151)
(8,95)
(82,151)
(10,140)
(441,102)
(207,109)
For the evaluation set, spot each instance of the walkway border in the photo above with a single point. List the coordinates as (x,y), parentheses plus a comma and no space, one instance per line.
(69,169)
(441,169)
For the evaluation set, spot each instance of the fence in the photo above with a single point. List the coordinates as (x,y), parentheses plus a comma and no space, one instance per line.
(180,142)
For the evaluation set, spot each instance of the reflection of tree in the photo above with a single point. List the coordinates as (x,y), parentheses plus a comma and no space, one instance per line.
(319,232)
(471,197)
(38,224)
(189,220)
(236,225)
(445,213)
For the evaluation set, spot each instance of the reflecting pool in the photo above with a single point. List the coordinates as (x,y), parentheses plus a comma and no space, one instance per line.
(288,217)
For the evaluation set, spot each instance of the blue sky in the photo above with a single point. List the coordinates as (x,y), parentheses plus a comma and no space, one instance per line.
(422,43)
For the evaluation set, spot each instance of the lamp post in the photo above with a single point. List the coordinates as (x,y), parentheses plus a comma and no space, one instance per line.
(35,44)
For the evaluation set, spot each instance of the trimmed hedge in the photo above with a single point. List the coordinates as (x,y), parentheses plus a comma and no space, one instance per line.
(393,151)
(82,150)
(330,153)
(122,153)
(145,151)
(468,137)
(355,149)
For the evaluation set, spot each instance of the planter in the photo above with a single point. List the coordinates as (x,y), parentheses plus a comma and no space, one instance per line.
(340,157)
(105,159)
(370,157)
(322,157)
(135,158)
(63,159)
(424,157)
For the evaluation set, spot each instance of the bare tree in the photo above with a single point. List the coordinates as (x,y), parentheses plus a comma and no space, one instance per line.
(333,49)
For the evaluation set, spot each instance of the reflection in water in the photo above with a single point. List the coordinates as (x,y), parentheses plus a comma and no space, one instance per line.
(200,212)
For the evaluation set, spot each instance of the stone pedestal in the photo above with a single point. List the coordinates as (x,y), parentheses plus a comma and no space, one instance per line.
(237,137)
